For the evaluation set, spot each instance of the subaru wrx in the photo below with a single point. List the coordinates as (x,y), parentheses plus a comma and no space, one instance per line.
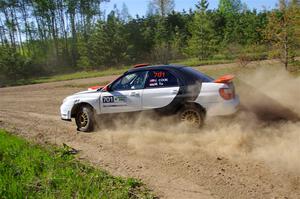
(179,91)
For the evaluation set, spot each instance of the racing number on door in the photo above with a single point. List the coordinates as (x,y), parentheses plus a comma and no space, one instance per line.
(161,78)
(159,74)
(108,99)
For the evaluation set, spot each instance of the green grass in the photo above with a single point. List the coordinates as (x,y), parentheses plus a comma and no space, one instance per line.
(117,71)
(215,73)
(69,76)
(197,62)
(114,71)
(110,71)
(86,85)
(80,75)
(31,171)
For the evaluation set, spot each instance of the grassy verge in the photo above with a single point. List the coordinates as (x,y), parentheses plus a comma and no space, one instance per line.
(117,71)
(80,75)
(31,171)
(110,71)
(197,62)
(86,85)
(68,76)
(114,71)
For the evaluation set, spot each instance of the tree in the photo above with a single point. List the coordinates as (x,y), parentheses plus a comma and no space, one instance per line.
(280,32)
(14,66)
(202,43)
(108,44)
(125,16)
(162,49)
(164,7)
(68,35)
(229,11)
(230,6)
(202,6)
(151,9)
(295,6)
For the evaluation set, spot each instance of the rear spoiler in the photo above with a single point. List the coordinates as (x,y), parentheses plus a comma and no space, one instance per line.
(140,65)
(224,79)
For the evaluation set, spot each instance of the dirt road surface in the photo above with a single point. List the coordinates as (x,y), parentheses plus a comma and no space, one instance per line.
(228,158)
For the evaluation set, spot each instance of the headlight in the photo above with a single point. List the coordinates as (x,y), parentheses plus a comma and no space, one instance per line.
(66,99)
(70,99)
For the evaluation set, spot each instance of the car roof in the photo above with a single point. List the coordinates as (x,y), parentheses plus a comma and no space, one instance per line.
(155,67)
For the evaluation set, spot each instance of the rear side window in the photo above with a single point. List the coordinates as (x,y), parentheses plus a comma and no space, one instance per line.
(161,78)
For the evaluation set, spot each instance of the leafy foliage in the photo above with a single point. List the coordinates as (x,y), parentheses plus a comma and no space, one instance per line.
(14,66)
(281,31)
(202,43)
(50,37)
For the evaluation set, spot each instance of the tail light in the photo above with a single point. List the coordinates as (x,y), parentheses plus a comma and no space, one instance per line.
(227,93)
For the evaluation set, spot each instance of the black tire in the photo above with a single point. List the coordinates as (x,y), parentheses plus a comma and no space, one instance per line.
(85,119)
(192,115)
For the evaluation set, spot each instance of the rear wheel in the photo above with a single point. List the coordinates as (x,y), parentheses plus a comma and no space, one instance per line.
(85,120)
(192,116)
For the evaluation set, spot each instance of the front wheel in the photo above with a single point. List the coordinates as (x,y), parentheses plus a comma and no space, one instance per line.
(85,120)
(192,115)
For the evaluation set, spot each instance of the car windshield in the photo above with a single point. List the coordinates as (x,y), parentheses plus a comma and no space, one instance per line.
(197,74)
(130,81)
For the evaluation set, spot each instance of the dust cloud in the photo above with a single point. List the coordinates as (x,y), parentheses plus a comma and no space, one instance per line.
(265,129)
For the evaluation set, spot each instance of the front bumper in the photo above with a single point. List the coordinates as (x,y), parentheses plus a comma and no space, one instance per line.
(65,111)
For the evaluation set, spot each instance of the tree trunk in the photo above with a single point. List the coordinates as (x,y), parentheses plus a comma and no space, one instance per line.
(74,38)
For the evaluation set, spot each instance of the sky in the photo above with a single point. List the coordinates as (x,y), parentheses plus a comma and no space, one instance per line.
(140,6)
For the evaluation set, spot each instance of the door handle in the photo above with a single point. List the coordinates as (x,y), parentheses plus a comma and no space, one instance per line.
(134,94)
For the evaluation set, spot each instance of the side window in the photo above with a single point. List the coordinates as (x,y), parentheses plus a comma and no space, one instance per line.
(161,78)
(131,81)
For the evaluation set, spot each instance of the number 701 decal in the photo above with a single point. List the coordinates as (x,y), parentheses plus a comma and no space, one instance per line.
(114,99)
(108,99)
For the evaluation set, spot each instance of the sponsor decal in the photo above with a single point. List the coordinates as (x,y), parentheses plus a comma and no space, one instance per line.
(162,81)
(153,84)
(114,101)
(158,82)
(120,99)
(158,79)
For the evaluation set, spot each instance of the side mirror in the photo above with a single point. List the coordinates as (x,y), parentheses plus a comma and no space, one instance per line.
(106,88)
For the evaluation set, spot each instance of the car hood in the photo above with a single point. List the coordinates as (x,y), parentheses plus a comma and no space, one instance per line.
(83,95)
(86,92)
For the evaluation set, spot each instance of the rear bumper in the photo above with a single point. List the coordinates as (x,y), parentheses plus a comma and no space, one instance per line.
(226,107)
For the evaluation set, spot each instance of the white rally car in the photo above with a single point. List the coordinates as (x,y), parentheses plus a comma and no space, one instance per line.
(166,90)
